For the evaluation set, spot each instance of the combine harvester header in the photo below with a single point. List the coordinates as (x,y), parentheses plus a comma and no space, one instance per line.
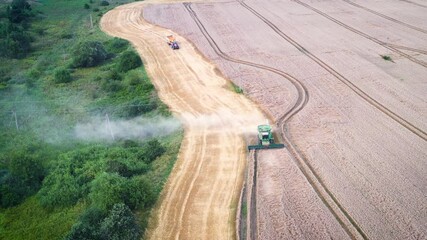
(265,139)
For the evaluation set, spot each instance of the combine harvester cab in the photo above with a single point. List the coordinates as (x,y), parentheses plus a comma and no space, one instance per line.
(265,139)
(172,42)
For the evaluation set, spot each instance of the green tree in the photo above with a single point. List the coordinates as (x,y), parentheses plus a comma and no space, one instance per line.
(120,224)
(89,54)
(18,11)
(60,189)
(128,60)
(151,150)
(88,226)
(104,3)
(106,190)
(12,189)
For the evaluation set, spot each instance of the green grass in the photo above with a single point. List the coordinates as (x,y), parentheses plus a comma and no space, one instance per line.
(47,111)
(30,221)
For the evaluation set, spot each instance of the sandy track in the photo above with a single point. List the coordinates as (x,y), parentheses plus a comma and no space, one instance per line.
(201,195)
(373,166)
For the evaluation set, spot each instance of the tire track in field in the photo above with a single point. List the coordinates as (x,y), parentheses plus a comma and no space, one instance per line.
(403,122)
(375,40)
(386,17)
(326,196)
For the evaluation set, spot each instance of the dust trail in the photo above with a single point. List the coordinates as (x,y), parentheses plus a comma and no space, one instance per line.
(99,128)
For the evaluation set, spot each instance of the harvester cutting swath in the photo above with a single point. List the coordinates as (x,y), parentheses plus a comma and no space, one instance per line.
(172,42)
(265,139)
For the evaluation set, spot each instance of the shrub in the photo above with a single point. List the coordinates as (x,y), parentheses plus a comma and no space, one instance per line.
(106,190)
(128,60)
(151,150)
(113,74)
(86,6)
(133,78)
(60,189)
(117,45)
(136,108)
(95,9)
(112,86)
(387,58)
(62,76)
(120,224)
(104,3)
(88,226)
(89,54)
(12,190)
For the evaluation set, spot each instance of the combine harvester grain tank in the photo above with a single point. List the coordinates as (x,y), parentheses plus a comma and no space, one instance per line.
(265,139)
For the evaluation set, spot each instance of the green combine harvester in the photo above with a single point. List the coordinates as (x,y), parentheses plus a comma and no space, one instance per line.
(265,139)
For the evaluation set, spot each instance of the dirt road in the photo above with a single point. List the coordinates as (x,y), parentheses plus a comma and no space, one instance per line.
(200,199)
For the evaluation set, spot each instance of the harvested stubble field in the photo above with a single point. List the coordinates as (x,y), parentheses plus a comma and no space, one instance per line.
(357,160)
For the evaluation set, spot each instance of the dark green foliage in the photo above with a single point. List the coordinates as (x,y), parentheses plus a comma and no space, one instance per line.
(18,11)
(112,86)
(387,58)
(104,3)
(88,226)
(12,189)
(62,76)
(15,42)
(128,60)
(89,54)
(107,175)
(95,9)
(120,224)
(137,107)
(21,178)
(117,45)
(138,193)
(107,190)
(151,150)
(113,74)
(61,188)
(86,6)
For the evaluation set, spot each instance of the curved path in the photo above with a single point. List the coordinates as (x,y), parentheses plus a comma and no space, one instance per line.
(201,195)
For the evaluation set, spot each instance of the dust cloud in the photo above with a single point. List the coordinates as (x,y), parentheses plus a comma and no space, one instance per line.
(101,128)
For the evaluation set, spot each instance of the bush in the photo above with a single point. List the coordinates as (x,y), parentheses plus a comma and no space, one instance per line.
(117,45)
(120,224)
(89,54)
(128,60)
(60,189)
(106,190)
(104,3)
(86,6)
(151,150)
(62,76)
(136,108)
(133,78)
(12,190)
(112,86)
(88,226)
(23,177)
